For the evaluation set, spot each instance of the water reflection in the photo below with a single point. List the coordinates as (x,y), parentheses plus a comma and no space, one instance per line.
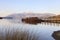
(42,30)
(52,24)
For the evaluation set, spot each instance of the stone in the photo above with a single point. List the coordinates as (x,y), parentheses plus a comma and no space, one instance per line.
(56,35)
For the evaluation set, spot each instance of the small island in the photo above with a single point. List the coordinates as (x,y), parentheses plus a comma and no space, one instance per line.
(32,20)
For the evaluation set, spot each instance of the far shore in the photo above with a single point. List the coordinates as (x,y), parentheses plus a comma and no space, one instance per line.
(34,20)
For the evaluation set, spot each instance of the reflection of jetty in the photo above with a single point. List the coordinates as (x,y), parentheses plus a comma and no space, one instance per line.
(35,20)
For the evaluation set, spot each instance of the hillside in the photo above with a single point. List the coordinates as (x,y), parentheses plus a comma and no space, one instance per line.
(24,15)
(54,19)
(57,17)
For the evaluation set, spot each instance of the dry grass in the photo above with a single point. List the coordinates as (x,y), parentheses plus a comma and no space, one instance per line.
(19,35)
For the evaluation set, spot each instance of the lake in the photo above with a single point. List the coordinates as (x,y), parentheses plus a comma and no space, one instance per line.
(42,30)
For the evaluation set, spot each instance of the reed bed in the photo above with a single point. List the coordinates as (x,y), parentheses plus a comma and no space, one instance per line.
(18,35)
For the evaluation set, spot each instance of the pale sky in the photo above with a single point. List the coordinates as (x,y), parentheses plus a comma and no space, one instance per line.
(8,7)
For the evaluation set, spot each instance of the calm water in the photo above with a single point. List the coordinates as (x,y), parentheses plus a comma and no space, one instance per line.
(43,30)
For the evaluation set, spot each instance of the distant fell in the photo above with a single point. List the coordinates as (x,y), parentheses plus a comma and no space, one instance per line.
(23,15)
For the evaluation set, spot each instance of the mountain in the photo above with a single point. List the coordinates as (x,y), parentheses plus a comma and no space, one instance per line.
(23,15)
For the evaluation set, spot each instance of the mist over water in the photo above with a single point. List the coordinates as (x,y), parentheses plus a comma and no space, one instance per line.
(42,30)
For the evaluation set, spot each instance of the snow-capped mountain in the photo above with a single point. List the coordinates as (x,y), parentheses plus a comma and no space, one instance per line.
(23,15)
